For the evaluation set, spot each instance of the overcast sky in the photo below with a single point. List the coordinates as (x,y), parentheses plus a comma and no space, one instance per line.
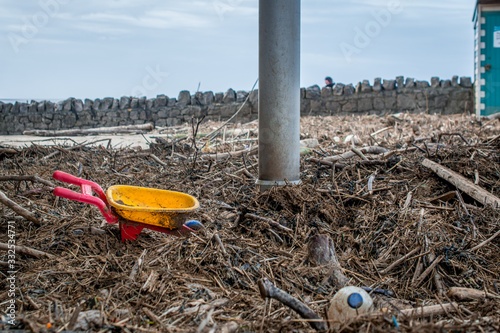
(54,49)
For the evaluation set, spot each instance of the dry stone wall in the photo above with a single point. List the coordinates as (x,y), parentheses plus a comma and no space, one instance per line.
(384,96)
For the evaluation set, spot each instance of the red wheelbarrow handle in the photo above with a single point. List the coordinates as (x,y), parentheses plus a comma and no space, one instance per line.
(68,194)
(86,185)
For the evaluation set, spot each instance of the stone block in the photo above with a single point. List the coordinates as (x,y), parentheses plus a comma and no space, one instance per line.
(422,84)
(142,102)
(196,98)
(150,103)
(350,106)
(313,92)
(400,82)
(316,106)
(183,99)
(254,98)
(218,97)
(77,105)
(172,102)
(406,102)
(96,105)
(107,103)
(348,90)
(410,83)
(41,106)
(302,93)
(365,86)
(445,84)
(338,89)
(229,96)
(454,81)
(241,96)
(326,92)
(124,102)
(115,105)
(67,106)
(134,103)
(389,85)
(207,98)
(160,101)
(87,105)
(365,104)
(333,107)
(228,110)
(435,82)
(378,104)
(377,84)
(466,82)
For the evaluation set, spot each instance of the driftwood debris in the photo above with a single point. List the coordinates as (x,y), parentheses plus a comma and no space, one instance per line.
(463,184)
(93,131)
(321,251)
(18,209)
(467,294)
(27,251)
(269,290)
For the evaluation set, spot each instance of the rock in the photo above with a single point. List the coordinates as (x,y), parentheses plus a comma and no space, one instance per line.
(67,104)
(377,84)
(241,96)
(196,99)
(309,143)
(422,84)
(207,98)
(184,98)
(96,105)
(348,90)
(254,98)
(40,106)
(150,102)
(160,101)
(23,108)
(445,84)
(142,102)
(410,82)
(229,96)
(338,89)
(107,103)
(78,105)
(134,103)
(406,102)
(313,92)
(365,86)
(172,102)
(400,82)
(454,81)
(326,92)
(389,85)
(87,320)
(365,104)
(124,102)
(218,97)
(435,82)
(358,88)
(302,93)
(115,105)
(87,105)
(466,82)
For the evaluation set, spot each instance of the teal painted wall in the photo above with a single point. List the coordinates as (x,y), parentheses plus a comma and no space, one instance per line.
(491,89)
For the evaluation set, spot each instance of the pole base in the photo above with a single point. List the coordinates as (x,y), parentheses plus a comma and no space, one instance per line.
(264,185)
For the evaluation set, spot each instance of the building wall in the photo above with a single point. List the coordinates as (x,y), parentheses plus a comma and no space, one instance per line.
(384,96)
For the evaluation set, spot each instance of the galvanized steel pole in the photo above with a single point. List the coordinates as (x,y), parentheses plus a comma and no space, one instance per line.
(279,93)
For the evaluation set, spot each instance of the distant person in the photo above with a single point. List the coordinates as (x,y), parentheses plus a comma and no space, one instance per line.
(329,82)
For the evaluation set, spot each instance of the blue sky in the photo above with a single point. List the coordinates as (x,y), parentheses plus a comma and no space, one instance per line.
(97,48)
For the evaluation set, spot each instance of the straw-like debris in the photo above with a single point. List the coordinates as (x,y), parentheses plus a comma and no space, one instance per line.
(399,230)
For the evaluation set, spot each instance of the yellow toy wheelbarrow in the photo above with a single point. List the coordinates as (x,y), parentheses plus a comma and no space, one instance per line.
(135,208)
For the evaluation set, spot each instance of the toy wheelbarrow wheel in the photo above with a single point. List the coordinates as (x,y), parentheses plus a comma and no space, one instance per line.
(135,208)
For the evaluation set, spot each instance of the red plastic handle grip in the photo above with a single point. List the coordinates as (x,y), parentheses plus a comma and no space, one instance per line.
(70,179)
(68,194)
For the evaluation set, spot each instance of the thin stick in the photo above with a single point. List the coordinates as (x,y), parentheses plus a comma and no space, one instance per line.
(33,178)
(27,251)
(268,220)
(427,271)
(18,209)
(462,183)
(480,245)
(399,261)
(268,290)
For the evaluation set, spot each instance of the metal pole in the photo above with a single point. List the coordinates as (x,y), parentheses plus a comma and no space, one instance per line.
(279,93)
